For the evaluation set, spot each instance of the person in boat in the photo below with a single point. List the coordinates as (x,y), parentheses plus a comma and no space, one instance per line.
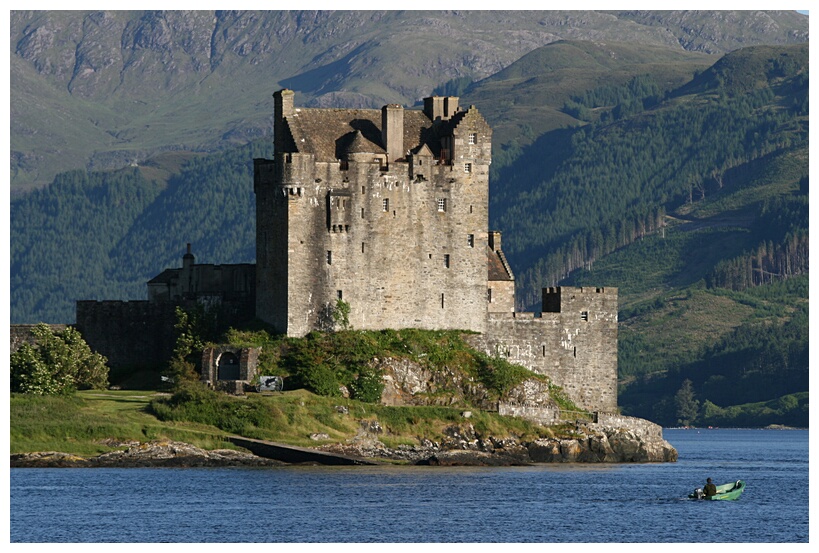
(709,489)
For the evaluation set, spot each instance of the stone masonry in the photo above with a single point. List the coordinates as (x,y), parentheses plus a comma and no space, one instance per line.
(384,209)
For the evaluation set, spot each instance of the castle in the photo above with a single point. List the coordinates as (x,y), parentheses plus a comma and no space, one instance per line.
(388,211)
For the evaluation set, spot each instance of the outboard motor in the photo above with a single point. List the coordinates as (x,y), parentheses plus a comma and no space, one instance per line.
(698,493)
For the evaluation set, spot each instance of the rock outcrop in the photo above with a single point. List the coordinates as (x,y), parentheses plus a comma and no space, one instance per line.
(462,445)
(144,454)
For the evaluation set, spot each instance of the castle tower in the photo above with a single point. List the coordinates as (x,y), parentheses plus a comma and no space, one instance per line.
(386,210)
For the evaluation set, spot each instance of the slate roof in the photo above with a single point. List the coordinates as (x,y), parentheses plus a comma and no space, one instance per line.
(326,133)
(165,276)
(498,267)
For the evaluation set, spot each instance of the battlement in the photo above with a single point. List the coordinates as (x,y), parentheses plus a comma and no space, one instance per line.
(559,299)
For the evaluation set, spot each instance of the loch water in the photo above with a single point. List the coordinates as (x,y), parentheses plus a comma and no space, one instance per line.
(631,503)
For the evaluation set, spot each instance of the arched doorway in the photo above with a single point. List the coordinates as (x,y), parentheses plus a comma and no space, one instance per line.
(228,367)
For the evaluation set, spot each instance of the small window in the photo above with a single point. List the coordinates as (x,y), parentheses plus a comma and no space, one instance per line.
(339,294)
(584,316)
(362,212)
(362,247)
(473,138)
(467,167)
(385,204)
(442,301)
(329,257)
(470,239)
(489,295)
(446,260)
(441,204)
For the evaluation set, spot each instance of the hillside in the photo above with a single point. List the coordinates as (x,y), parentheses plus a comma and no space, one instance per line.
(125,85)
(678,176)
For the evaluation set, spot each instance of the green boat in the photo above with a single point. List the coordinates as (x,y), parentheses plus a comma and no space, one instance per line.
(726,492)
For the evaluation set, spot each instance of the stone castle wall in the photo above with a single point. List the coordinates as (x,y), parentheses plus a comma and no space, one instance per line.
(396,231)
(575,344)
(142,333)
(401,252)
(128,333)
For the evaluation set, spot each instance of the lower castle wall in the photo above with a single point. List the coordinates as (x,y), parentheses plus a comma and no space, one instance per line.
(142,333)
(536,413)
(580,356)
(128,333)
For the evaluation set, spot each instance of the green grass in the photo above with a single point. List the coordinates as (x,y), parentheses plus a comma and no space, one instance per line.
(79,424)
(82,424)
(788,410)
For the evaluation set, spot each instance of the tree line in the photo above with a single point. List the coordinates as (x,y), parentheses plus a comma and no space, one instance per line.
(572,186)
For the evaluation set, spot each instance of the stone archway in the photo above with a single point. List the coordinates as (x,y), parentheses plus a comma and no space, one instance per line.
(228,366)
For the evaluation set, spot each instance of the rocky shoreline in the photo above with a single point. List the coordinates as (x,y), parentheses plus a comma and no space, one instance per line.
(461,446)
(144,454)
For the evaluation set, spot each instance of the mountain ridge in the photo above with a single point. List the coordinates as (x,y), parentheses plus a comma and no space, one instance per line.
(210,74)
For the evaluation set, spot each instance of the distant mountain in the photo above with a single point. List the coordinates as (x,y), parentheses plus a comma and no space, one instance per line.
(102,90)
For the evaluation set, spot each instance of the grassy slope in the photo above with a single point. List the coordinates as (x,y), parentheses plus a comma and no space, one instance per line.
(80,424)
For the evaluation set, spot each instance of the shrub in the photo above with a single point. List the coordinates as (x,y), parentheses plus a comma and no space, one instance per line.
(368,385)
(499,375)
(194,402)
(58,363)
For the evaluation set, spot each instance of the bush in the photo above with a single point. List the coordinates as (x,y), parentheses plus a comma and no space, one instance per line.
(193,402)
(368,385)
(58,363)
(499,375)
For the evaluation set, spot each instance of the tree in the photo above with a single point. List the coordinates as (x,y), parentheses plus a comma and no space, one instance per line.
(341,314)
(57,363)
(192,327)
(687,407)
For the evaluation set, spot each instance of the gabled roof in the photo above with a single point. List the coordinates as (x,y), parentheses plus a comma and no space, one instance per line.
(165,276)
(498,267)
(326,133)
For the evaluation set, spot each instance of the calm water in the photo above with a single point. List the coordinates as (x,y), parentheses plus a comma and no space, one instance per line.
(612,503)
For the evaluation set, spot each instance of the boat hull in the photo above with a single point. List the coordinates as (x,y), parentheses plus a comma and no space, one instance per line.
(726,492)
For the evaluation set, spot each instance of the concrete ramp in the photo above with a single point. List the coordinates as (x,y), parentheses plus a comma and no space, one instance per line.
(292,454)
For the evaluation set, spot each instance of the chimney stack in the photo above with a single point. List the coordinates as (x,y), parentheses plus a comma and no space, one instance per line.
(392,131)
(495,240)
